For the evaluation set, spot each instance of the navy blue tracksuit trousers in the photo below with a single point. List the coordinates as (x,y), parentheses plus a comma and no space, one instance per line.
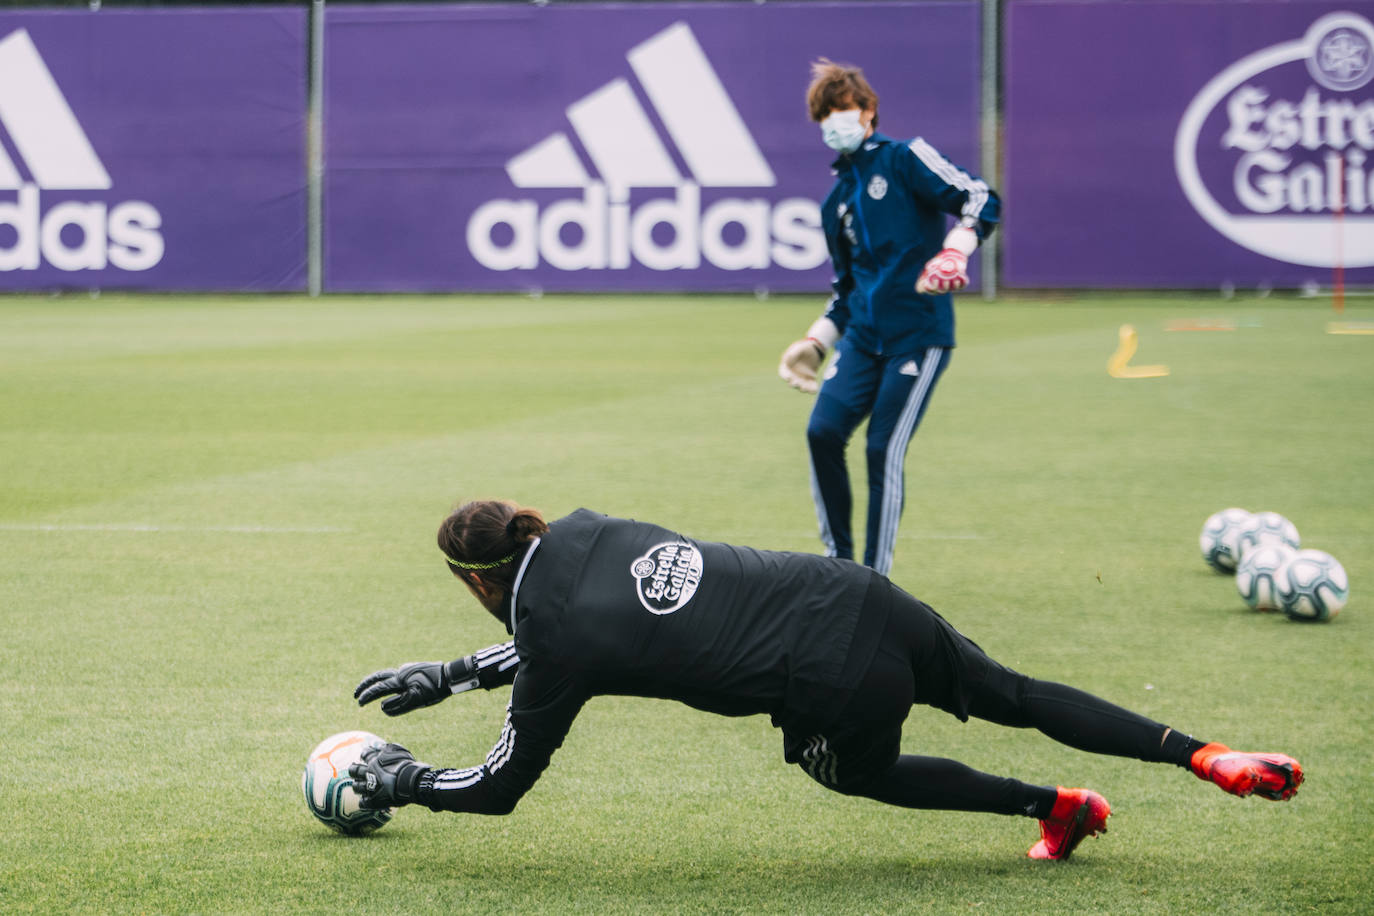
(892,391)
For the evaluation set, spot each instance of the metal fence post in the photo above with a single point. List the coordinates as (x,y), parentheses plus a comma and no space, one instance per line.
(315,152)
(991,156)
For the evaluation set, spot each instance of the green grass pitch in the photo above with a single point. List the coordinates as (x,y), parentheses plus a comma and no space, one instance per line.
(218,514)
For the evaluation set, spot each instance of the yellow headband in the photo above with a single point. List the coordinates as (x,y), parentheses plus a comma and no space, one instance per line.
(501,562)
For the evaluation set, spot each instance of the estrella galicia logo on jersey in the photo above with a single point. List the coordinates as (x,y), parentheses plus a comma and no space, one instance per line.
(667,576)
(57,159)
(1274,152)
(877,187)
(622,166)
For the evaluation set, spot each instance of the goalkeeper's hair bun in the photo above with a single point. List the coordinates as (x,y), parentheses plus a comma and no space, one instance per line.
(525,525)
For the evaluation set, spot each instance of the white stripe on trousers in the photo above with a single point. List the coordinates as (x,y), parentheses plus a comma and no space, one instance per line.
(893,483)
(821,763)
(827,536)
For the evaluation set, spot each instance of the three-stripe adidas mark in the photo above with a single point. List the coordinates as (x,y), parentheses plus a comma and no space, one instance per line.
(622,143)
(55,154)
(615,227)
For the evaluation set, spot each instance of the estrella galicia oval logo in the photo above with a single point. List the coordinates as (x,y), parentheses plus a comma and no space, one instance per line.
(1276,152)
(667,576)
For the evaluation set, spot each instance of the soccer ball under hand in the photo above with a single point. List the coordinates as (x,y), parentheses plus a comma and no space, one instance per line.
(1312,585)
(1256,574)
(1268,526)
(1220,538)
(329,789)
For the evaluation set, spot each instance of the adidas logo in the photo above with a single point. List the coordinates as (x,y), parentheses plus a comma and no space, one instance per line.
(58,156)
(614,227)
(909,368)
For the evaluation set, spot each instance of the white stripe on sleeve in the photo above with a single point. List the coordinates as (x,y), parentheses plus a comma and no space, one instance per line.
(955,177)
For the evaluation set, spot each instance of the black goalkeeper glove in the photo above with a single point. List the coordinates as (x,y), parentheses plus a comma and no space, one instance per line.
(417,684)
(387,777)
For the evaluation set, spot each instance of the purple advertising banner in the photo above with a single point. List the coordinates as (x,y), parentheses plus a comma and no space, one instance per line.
(153,149)
(1189,144)
(612,147)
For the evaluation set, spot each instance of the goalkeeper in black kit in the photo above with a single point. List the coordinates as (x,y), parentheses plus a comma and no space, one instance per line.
(832,651)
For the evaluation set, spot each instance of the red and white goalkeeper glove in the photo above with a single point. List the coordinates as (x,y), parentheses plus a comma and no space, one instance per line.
(948,270)
(801,361)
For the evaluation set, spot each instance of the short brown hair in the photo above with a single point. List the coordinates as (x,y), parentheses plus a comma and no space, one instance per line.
(835,87)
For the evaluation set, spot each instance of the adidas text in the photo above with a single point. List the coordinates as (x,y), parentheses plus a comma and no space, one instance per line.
(78,235)
(610,234)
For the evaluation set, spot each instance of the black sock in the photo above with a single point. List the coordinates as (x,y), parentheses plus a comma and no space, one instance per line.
(1178,748)
(1040,801)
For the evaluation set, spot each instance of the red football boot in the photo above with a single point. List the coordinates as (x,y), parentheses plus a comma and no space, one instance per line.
(1077,813)
(1272,776)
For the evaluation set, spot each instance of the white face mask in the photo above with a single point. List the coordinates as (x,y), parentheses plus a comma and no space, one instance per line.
(842,131)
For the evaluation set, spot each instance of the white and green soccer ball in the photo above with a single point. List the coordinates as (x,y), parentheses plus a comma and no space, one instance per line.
(1220,538)
(1268,527)
(1257,574)
(329,790)
(1312,585)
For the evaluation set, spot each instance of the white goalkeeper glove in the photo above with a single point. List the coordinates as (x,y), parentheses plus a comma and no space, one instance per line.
(801,361)
(948,270)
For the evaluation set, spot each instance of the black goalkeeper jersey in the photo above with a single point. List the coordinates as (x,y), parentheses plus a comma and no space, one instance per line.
(608,606)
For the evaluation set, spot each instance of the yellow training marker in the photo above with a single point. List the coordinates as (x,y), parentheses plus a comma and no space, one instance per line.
(1350,327)
(1116,366)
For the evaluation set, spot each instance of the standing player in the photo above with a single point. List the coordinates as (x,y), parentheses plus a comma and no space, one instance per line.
(891,319)
(833,652)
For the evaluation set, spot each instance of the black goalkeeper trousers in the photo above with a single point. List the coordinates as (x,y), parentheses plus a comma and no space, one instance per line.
(923,659)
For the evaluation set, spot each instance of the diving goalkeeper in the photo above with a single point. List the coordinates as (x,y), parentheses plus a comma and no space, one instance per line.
(833,652)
